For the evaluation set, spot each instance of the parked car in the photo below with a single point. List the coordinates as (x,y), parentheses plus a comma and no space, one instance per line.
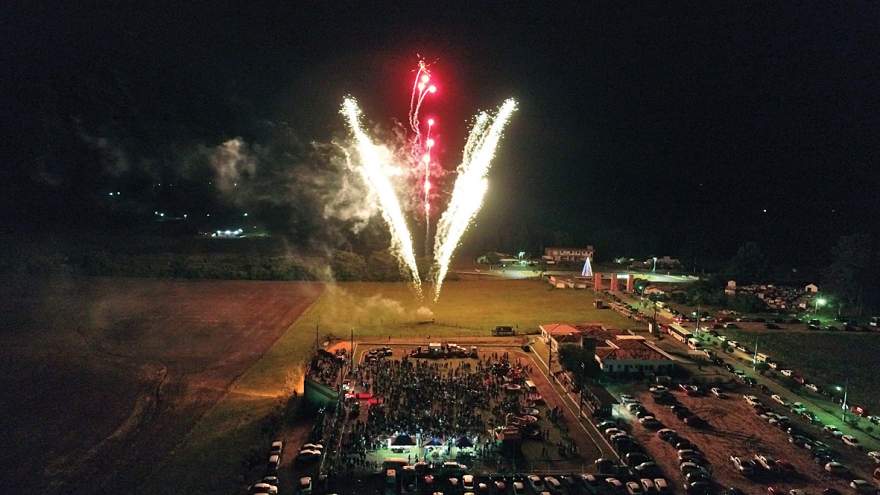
(633,488)
(766,461)
(667,434)
(697,488)
(836,468)
(651,422)
(263,488)
(850,440)
(717,392)
(662,486)
(862,486)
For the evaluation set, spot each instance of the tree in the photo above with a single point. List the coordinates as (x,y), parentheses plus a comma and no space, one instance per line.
(580,362)
(851,270)
(749,265)
(747,303)
(348,266)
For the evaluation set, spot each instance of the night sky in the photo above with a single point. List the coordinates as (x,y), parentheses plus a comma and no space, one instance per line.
(677,125)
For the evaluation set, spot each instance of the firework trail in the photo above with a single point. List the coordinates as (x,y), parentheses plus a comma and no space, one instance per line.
(422,150)
(421,88)
(373,161)
(470,188)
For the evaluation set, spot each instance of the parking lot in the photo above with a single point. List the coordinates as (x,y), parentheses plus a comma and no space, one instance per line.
(733,428)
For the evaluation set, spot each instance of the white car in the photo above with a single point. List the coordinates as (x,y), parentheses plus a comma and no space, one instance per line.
(633,488)
(467,482)
(836,468)
(779,399)
(787,372)
(773,365)
(264,488)
(661,485)
(626,399)
(277,447)
(305,484)
(717,392)
(812,386)
(752,400)
(875,456)
(862,486)
(850,440)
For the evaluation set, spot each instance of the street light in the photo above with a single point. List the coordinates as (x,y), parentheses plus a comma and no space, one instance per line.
(820,301)
(843,404)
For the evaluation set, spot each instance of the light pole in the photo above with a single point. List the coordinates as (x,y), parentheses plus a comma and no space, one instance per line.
(845,390)
(820,301)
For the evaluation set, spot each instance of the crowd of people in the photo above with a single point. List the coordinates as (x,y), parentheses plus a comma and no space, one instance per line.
(326,366)
(442,401)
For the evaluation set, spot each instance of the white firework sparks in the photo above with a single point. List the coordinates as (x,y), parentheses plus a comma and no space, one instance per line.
(470,188)
(373,162)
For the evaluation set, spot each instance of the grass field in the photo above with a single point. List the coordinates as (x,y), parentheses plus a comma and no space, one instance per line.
(826,358)
(233,427)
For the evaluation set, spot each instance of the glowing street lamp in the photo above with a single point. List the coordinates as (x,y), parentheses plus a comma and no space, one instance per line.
(843,404)
(820,301)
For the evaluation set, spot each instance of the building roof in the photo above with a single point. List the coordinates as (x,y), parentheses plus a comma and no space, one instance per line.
(629,350)
(592,330)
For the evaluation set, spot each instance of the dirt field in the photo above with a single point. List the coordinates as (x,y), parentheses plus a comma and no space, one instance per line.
(102,378)
(734,430)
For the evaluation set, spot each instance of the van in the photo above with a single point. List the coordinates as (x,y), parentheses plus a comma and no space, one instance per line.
(530,386)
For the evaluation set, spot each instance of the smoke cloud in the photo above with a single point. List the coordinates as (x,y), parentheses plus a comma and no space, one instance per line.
(230,161)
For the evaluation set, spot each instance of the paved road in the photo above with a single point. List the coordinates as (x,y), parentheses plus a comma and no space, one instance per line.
(570,402)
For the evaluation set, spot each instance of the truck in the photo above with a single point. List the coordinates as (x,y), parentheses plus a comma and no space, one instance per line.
(503,331)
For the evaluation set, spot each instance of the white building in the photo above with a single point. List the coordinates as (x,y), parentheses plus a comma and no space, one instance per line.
(630,354)
(557,254)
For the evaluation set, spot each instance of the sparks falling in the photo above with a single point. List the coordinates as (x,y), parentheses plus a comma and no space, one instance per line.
(373,163)
(470,188)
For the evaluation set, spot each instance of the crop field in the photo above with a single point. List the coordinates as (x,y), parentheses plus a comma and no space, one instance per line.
(102,378)
(825,358)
